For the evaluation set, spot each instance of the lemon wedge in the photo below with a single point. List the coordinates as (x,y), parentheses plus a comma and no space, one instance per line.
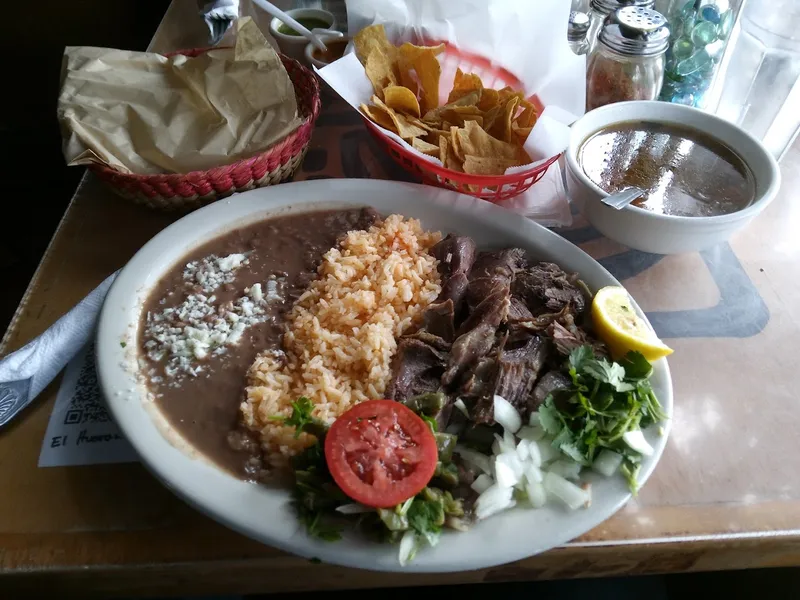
(621,328)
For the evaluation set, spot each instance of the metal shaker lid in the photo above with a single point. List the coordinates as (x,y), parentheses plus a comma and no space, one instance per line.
(578,25)
(635,31)
(608,6)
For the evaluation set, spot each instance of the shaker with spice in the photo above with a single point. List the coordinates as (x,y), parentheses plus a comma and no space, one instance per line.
(627,63)
(576,32)
(599,11)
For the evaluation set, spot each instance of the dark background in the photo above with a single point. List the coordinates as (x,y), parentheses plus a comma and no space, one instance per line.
(37,187)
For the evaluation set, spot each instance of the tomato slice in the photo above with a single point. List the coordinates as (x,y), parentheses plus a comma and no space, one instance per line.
(380,453)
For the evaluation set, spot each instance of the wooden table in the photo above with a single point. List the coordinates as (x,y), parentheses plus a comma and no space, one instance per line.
(726,494)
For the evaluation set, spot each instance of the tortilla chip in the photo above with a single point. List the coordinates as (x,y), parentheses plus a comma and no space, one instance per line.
(527,117)
(470,99)
(489,99)
(379,116)
(370,40)
(403,128)
(428,72)
(463,84)
(487,165)
(401,99)
(491,116)
(521,133)
(457,115)
(477,142)
(420,123)
(448,156)
(380,72)
(425,147)
(455,145)
(502,127)
(433,136)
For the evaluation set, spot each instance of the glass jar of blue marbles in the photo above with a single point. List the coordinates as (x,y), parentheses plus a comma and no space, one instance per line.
(700,30)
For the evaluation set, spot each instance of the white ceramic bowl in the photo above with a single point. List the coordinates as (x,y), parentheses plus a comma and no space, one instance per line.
(645,230)
(294,46)
(312,60)
(265,513)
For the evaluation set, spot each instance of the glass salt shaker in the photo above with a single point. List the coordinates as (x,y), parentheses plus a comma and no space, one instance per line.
(600,9)
(576,32)
(627,63)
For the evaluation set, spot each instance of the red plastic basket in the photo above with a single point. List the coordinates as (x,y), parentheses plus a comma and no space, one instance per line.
(493,188)
(187,191)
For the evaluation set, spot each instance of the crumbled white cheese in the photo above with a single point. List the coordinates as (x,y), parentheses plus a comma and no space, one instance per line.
(214,271)
(198,328)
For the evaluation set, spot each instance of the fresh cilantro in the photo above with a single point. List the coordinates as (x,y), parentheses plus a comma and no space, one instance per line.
(606,400)
(549,418)
(123,344)
(301,419)
(579,356)
(636,366)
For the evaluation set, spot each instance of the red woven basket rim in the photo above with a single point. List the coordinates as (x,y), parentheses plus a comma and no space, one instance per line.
(198,173)
(485,180)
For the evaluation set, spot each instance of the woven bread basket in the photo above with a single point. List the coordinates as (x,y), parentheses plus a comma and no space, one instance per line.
(188,191)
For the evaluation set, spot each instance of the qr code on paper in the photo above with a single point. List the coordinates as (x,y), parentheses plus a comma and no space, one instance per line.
(86,404)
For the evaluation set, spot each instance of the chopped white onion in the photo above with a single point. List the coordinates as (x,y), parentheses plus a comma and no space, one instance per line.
(534,454)
(506,415)
(353,509)
(533,420)
(509,441)
(533,474)
(523,450)
(569,493)
(475,459)
(536,494)
(546,451)
(508,469)
(635,439)
(459,404)
(497,445)
(482,483)
(503,444)
(408,547)
(568,469)
(607,462)
(531,432)
(493,501)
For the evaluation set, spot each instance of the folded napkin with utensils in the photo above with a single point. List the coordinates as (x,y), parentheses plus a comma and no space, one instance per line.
(26,372)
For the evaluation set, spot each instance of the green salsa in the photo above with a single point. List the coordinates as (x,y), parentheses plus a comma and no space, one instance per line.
(307,22)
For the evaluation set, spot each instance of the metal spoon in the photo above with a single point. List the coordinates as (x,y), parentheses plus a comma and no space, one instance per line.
(621,199)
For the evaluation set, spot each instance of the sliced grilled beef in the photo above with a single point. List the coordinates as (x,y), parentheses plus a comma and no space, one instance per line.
(492,273)
(455,254)
(518,370)
(476,336)
(416,369)
(438,319)
(549,382)
(548,289)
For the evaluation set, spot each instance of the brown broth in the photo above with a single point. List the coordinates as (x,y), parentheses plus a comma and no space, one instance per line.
(683,172)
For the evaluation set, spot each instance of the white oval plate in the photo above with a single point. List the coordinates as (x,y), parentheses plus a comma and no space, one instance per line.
(264,513)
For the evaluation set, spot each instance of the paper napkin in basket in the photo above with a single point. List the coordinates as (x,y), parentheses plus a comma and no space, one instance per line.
(141,112)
